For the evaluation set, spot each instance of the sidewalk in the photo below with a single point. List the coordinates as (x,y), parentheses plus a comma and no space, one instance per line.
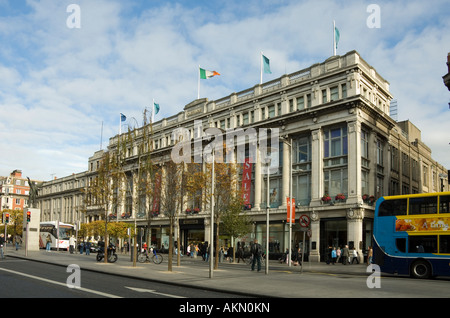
(281,280)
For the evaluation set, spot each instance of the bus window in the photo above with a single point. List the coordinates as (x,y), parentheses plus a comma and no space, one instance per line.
(401,244)
(444,201)
(422,244)
(424,205)
(393,207)
(444,244)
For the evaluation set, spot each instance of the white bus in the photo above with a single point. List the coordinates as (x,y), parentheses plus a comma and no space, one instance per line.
(61,241)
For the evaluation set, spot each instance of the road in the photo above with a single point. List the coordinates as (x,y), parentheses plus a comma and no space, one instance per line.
(99,280)
(26,279)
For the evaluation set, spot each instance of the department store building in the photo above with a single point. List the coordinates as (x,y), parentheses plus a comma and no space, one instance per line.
(336,139)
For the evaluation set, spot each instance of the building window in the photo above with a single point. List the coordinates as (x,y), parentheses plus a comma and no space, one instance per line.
(271,111)
(405,165)
(334,93)
(301,188)
(300,103)
(365,146)
(344,90)
(302,150)
(245,118)
(335,142)
(415,170)
(365,182)
(324,96)
(380,188)
(394,159)
(335,181)
(380,154)
(308,99)
(425,176)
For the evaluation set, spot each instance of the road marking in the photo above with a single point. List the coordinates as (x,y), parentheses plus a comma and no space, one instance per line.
(60,284)
(143,290)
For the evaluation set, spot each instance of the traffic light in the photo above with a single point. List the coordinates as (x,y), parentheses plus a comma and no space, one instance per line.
(6,218)
(28,216)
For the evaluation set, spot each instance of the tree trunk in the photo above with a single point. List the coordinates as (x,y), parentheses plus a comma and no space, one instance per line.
(169,263)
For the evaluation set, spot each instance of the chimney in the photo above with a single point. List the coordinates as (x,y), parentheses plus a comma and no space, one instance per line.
(16,173)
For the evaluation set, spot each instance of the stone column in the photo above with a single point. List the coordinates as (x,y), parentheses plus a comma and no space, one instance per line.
(314,255)
(285,174)
(355,218)
(316,167)
(354,161)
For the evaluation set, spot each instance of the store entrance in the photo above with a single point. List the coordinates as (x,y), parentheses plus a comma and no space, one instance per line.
(192,237)
(333,233)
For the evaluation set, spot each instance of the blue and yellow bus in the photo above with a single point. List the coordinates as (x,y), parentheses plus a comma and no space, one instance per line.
(412,234)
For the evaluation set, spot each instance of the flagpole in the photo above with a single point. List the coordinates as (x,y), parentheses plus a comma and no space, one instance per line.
(120,124)
(334,38)
(198,88)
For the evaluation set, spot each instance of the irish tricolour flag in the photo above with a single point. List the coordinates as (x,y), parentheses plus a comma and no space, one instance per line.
(204,74)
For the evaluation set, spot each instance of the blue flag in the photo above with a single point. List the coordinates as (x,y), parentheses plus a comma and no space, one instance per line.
(123,117)
(156,108)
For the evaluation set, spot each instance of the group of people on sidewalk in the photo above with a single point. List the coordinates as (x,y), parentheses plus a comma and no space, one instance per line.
(345,256)
(84,246)
(3,240)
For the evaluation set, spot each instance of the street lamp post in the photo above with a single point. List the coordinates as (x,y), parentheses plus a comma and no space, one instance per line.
(267,219)
(290,198)
(211,232)
(217,132)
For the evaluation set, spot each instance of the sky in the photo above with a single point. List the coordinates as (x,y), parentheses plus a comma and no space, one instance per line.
(69,68)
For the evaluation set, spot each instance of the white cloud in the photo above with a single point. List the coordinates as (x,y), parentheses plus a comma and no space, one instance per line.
(58,85)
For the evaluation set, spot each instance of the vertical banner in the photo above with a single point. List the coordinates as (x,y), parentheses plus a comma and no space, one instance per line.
(246,181)
(290,210)
(157,193)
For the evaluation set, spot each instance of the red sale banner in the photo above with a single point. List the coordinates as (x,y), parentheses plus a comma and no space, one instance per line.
(246,180)
(290,210)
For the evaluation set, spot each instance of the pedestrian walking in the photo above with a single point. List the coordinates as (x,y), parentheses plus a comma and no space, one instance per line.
(345,255)
(2,242)
(18,242)
(71,244)
(230,254)
(369,255)
(338,254)
(256,251)
(333,256)
(88,247)
(48,242)
(355,256)
(240,252)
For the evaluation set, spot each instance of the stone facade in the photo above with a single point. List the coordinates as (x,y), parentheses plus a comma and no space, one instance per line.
(336,135)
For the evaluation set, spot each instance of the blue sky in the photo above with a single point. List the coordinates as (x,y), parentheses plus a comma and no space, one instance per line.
(59,84)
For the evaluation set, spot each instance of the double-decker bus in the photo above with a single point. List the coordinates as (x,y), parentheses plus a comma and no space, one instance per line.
(60,241)
(412,234)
